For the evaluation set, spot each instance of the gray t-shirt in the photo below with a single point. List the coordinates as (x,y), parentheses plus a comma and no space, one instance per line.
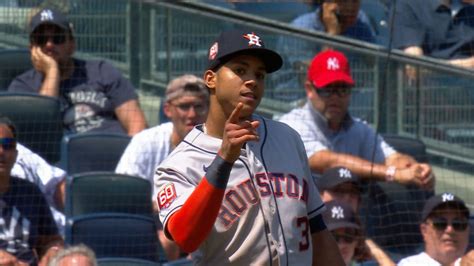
(88,98)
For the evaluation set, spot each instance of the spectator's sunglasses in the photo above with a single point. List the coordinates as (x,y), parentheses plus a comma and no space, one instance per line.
(340,90)
(8,144)
(42,39)
(440,223)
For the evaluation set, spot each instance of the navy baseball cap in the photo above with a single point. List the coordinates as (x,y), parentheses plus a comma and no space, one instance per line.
(335,176)
(445,199)
(237,42)
(340,215)
(50,16)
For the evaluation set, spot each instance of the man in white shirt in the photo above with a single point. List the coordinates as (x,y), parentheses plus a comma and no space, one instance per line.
(445,230)
(186,105)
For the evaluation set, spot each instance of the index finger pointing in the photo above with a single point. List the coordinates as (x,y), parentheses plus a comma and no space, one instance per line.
(234,116)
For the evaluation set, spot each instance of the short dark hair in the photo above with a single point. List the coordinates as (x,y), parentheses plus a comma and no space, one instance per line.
(6,121)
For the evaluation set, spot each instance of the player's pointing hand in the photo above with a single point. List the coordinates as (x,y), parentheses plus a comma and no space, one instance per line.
(236,133)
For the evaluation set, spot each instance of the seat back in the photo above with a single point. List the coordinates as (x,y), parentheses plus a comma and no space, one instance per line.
(95,192)
(89,152)
(407,145)
(38,122)
(115,235)
(13,62)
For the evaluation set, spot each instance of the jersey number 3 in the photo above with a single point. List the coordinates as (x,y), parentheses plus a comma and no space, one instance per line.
(303,224)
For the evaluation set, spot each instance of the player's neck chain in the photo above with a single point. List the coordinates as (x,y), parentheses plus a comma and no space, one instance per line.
(204,128)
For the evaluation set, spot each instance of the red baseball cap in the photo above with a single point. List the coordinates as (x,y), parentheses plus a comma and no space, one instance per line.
(328,67)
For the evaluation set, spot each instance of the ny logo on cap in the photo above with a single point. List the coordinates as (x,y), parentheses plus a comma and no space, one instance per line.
(332,63)
(337,212)
(213,51)
(447,197)
(253,39)
(46,15)
(344,173)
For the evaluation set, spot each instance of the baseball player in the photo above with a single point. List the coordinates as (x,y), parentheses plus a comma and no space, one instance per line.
(238,190)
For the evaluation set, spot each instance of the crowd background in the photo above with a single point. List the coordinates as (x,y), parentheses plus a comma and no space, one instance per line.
(423,105)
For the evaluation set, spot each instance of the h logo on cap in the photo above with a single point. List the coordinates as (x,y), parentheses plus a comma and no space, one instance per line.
(332,63)
(447,197)
(253,39)
(337,212)
(46,15)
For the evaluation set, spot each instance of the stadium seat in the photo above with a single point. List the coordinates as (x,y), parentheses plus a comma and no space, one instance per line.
(112,261)
(89,152)
(179,262)
(13,62)
(394,216)
(95,192)
(38,122)
(116,235)
(407,145)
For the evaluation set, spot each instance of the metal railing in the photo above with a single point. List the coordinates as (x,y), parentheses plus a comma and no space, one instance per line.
(154,41)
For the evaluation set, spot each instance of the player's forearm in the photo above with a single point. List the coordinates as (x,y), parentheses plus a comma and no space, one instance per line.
(191,225)
(326,159)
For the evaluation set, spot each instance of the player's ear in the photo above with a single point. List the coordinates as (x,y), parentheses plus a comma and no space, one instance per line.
(210,80)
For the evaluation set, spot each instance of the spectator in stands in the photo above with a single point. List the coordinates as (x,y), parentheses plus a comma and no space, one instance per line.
(334,17)
(334,138)
(49,179)
(28,232)
(94,95)
(79,255)
(435,28)
(340,185)
(186,105)
(344,224)
(445,229)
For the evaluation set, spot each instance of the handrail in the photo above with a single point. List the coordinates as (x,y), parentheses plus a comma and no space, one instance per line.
(340,42)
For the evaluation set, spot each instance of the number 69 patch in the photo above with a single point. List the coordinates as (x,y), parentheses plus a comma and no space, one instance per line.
(166,196)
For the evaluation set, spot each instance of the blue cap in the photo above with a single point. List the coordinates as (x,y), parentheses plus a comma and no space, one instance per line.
(50,16)
(237,42)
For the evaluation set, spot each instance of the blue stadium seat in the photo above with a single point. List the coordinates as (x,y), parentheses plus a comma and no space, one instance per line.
(13,62)
(407,145)
(116,235)
(180,262)
(95,192)
(38,121)
(89,152)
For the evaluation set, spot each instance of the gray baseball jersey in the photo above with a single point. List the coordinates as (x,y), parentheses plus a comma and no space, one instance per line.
(269,199)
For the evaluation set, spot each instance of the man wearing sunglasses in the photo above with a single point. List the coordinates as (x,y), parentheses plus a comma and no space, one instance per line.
(28,233)
(94,95)
(332,137)
(445,229)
